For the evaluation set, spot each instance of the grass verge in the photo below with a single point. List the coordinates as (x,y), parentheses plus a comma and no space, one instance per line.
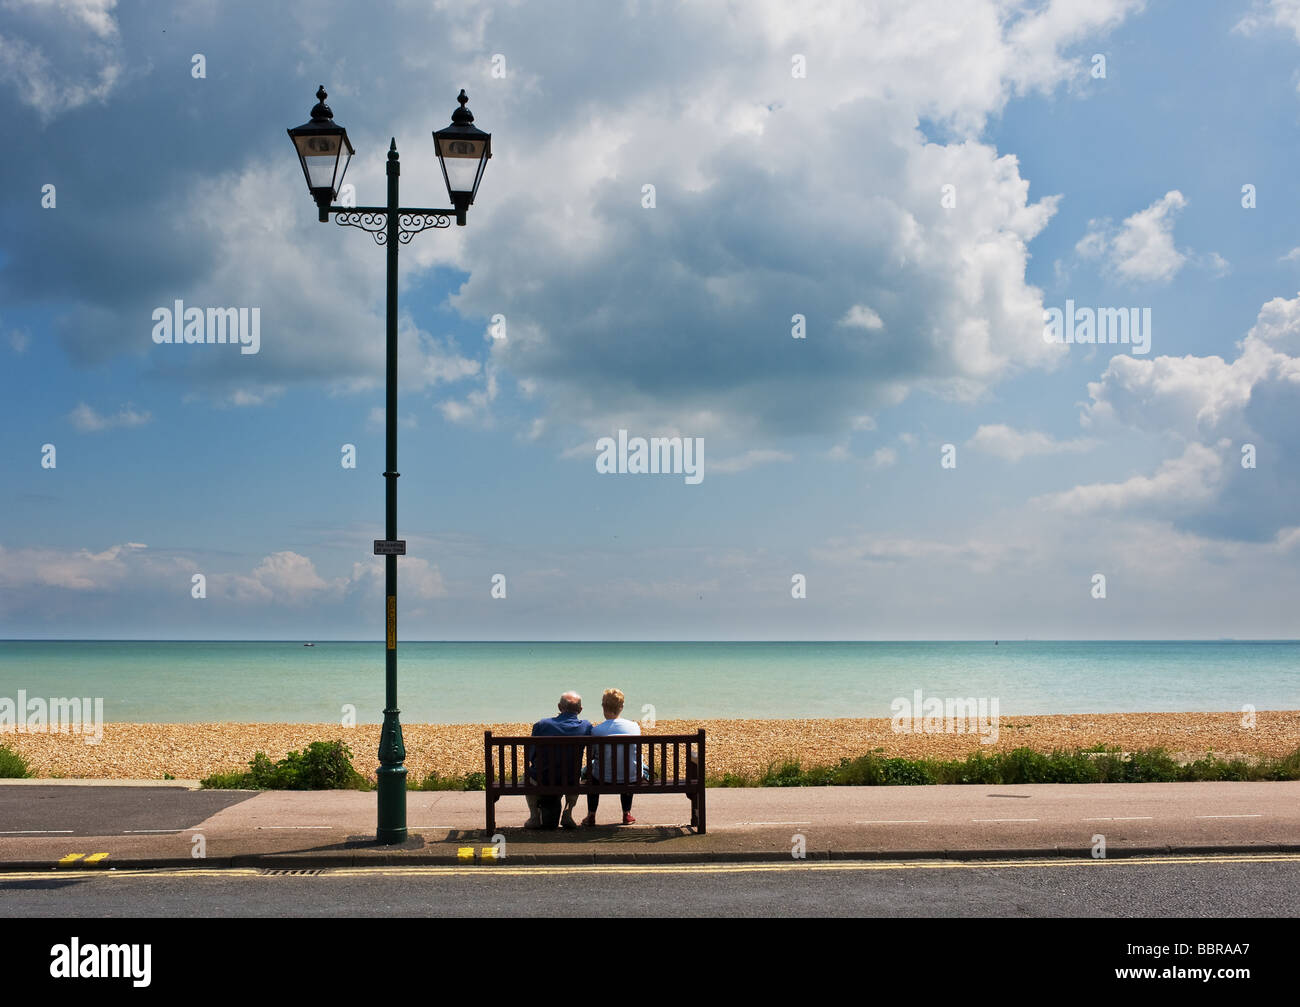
(327,765)
(1022,765)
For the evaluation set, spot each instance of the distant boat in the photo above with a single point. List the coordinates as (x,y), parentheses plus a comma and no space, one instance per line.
(309,645)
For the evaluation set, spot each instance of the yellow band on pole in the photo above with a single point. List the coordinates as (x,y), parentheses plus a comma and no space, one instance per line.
(392,622)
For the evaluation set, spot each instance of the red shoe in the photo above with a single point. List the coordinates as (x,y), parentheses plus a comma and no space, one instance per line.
(589,821)
(628,819)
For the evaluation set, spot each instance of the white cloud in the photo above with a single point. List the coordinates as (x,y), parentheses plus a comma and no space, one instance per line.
(73,570)
(476,406)
(1216,264)
(1191,478)
(951,285)
(284,577)
(1142,249)
(862,317)
(87,420)
(1004,442)
(60,54)
(1238,422)
(242,398)
(883,457)
(1284,14)
(415,577)
(1199,396)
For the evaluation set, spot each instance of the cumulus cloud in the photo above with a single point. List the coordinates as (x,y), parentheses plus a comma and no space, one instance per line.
(88,421)
(284,578)
(883,457)
(1238,421)
(416,577)
(715,336)
(1199,396)
(73,570)
(1005,442)
(1141,249)
(1191,478)
(1283,14)
(660,315)
(59,56)
(862,317)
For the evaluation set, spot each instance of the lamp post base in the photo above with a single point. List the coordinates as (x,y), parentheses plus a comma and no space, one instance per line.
(391,788)
(391,782)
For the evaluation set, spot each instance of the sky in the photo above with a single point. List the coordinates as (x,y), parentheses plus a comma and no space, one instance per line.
(822,243)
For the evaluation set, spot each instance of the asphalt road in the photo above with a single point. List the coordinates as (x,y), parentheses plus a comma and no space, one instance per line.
(1204,887)
(95,811)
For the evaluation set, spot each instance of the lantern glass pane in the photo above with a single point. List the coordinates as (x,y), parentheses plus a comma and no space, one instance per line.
(461,161)
(320,156)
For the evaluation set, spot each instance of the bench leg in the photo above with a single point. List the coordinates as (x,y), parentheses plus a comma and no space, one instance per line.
(491,812)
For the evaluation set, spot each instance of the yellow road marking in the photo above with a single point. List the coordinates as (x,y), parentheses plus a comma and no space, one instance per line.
(604,869)
(465,853)
(95,858)
(71,858)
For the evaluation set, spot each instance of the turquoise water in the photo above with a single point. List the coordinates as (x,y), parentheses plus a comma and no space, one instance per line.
(473,682)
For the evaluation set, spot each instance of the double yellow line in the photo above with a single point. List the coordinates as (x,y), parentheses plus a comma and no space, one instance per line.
(504,869)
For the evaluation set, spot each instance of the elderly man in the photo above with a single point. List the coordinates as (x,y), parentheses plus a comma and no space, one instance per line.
(556,767)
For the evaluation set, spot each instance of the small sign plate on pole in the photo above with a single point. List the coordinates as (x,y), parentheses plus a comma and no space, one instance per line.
(390,547)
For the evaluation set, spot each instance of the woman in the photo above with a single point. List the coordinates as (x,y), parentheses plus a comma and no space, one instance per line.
(607,767)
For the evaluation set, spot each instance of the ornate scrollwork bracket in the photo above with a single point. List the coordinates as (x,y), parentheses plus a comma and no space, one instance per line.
(374,221)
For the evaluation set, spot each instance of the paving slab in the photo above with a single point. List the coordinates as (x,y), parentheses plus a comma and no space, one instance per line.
(65,827)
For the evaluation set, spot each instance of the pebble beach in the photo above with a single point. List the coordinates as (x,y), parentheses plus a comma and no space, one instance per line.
(192,751)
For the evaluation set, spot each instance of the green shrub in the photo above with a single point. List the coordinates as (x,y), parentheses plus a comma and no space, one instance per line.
(227,781)
(12,765)
(1286,768)
(788,774)
(907,772)
(322,765)
(864,771)
(436,781)
(978,768)
(730,779)
(1154,765)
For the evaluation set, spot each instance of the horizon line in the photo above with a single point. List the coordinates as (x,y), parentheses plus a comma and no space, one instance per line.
(380,640)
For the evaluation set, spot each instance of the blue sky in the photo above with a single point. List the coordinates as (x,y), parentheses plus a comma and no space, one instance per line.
(775,194)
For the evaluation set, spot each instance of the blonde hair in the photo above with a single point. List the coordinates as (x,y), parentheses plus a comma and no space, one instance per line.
(612,699)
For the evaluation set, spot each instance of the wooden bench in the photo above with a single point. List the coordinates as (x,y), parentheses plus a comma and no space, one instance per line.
(675,763)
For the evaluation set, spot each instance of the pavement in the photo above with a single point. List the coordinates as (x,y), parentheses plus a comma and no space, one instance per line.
(79,824)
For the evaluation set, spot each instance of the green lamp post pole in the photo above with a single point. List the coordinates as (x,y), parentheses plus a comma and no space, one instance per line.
(392,752)
(324,150)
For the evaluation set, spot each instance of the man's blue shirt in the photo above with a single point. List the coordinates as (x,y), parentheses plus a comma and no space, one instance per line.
(566,724)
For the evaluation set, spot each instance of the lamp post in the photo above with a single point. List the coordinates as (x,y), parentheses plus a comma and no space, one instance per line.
(324,150)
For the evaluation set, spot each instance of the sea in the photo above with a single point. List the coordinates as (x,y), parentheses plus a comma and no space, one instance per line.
(285,681)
